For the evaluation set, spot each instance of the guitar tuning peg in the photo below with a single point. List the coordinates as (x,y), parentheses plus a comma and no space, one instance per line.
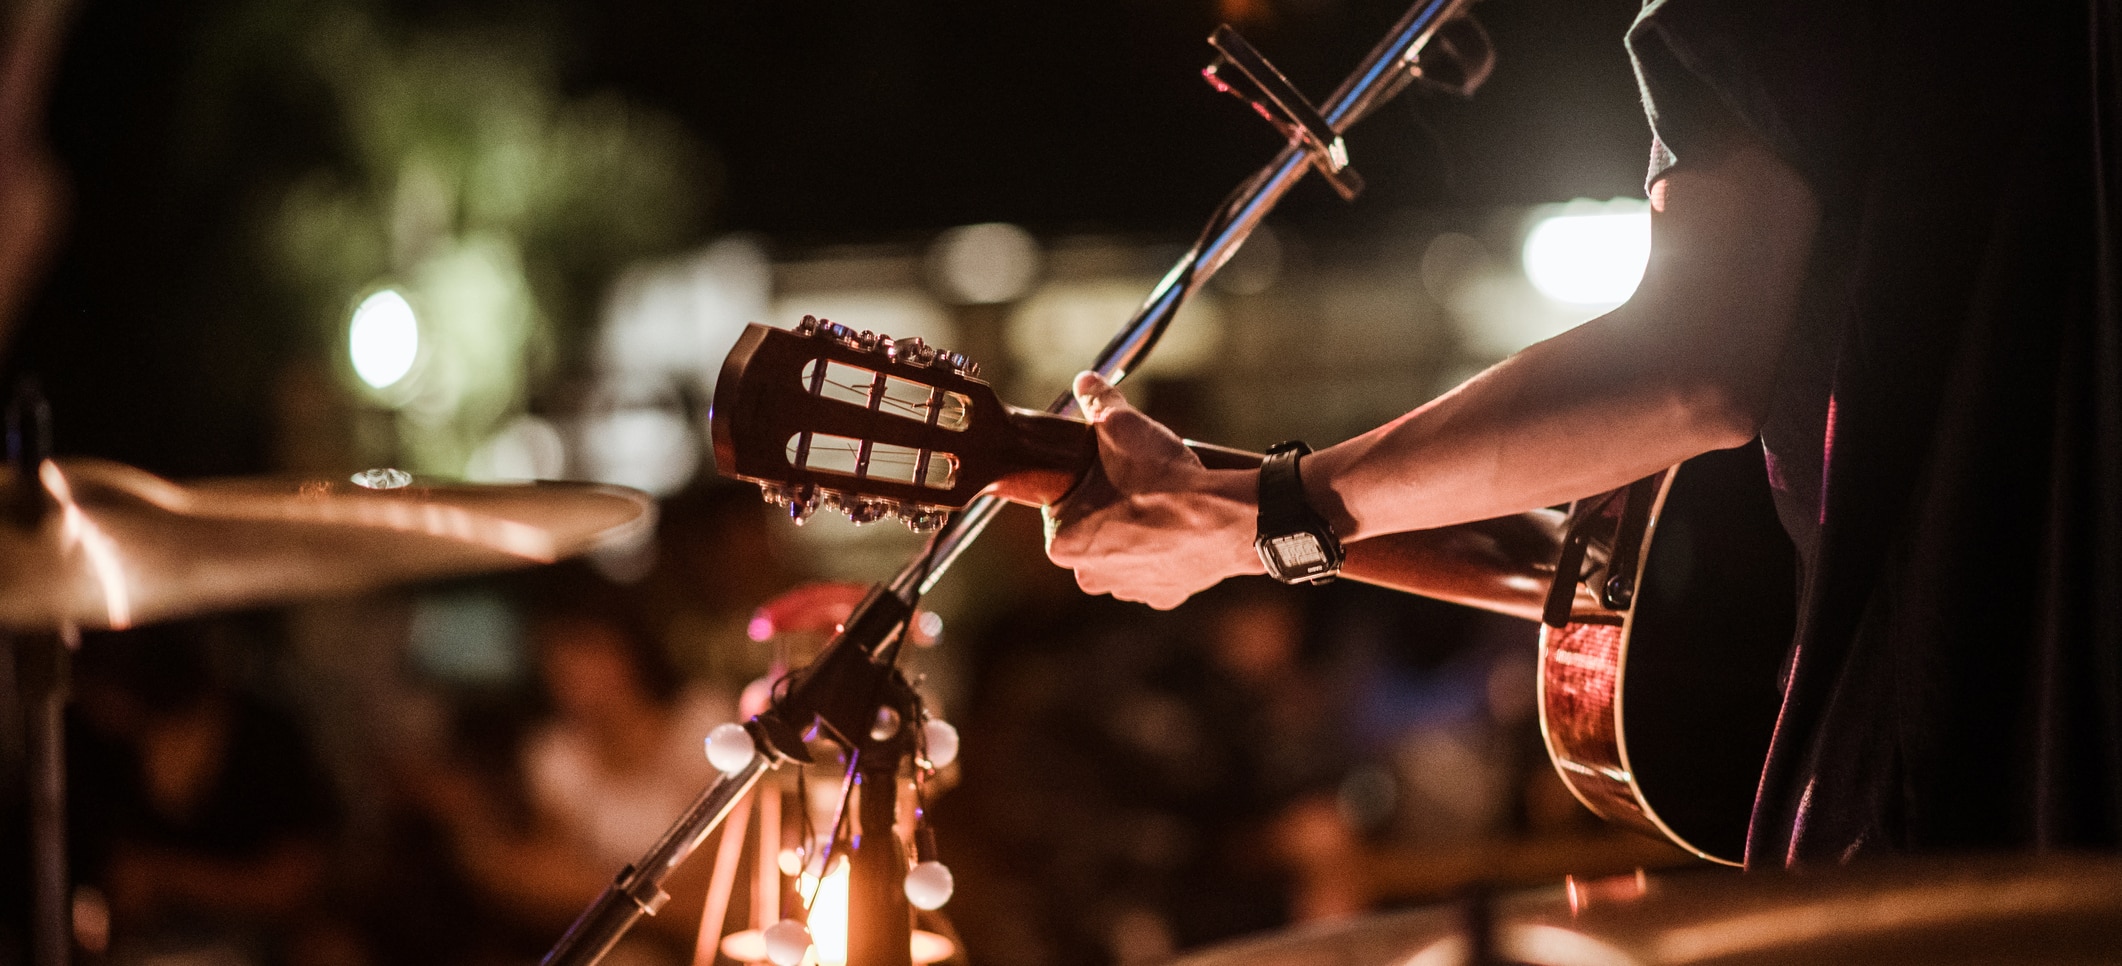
(923,520)
(809,325)
(802,502)
(868,511)
(774,493)
(970,370)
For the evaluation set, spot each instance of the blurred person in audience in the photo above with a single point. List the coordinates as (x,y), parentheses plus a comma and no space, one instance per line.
(202,819)
(616,762)
(1146,783)
(720,553)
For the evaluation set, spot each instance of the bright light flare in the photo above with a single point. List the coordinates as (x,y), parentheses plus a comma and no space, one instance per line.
(102,552)
(1589,258)
(828,917)
(383,339)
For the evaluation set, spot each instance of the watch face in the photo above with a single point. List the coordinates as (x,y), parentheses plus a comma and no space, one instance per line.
(1296,554)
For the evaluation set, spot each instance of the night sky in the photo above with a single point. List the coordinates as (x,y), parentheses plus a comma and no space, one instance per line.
(160,334)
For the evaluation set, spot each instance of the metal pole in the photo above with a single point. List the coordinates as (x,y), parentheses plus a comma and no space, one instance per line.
(41,664)
(1382,74)
(638,890)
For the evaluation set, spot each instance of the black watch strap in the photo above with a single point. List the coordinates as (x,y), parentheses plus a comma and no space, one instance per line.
(1296,544)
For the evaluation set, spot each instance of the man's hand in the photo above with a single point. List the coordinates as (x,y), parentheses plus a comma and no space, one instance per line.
(1150,523)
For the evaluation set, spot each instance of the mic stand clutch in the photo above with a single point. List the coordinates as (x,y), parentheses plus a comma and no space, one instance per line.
(844,695)
(841,693)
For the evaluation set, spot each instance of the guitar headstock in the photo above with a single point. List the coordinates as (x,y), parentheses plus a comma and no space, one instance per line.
(876,427)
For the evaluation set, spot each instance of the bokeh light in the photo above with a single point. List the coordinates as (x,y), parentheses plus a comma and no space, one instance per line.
(984,264)
(383,338)
(1589,257)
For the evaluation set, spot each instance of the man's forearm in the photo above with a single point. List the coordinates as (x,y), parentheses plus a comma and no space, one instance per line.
(1688,365)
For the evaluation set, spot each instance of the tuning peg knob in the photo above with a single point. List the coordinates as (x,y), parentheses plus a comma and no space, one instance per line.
(923,520)
(802,502)
(868,511)
(809,325)
(774,493)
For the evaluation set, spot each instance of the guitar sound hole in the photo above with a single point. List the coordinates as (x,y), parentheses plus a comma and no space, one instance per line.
(842,456)
(904,398)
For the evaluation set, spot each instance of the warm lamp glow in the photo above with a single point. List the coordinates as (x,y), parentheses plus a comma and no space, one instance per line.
(1589,258)
(828,929)
(828,918)
(383,339)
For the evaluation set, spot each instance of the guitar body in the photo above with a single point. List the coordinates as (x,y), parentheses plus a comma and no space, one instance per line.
(1658,713)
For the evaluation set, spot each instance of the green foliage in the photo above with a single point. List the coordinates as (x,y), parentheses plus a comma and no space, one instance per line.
(499,205)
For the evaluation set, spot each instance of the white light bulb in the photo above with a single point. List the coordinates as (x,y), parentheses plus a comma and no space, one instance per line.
(929,885)
(941,742)
(786,942)
(730,748)
(383,339)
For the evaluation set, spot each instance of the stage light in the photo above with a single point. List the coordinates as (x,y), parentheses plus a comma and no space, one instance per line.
(1589,254)
(383,338)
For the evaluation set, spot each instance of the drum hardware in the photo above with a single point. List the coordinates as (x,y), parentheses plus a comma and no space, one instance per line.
(1939,910)
(43,662)
(88,543)
(116,547)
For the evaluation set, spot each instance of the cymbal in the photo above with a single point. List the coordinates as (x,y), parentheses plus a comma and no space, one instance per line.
(117,546)
(2020,910)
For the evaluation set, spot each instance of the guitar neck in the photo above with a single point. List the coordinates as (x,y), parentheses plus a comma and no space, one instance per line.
(1504,565)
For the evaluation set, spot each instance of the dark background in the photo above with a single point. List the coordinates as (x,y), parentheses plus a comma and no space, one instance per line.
(162,329)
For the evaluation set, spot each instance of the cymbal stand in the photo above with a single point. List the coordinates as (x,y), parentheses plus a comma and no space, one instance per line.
(43,662)
(844,692)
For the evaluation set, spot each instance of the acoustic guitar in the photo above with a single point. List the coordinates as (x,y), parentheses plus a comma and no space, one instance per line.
(1666,605)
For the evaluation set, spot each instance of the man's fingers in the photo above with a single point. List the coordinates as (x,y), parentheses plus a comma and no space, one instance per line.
(1096,397)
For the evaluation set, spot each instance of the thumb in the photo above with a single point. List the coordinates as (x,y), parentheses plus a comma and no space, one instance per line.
(1096,397)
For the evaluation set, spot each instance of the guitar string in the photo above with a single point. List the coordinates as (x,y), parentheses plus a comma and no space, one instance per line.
(915,411)
(895,458)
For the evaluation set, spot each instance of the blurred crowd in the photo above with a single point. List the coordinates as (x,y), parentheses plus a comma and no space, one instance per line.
(1134,783)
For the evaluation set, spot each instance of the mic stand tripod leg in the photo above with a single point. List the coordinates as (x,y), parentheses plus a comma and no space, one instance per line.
(638,890)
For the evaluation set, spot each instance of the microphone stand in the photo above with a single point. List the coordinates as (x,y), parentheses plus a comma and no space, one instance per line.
(847,690)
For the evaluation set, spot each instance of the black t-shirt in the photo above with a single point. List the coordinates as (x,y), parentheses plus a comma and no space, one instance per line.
(1946,439)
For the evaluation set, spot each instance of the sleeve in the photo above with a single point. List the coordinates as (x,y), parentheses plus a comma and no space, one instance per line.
(1791,72)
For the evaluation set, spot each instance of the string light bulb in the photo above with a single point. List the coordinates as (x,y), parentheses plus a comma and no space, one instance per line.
(787,942)
(939,741)
(929,885)
(730,748)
